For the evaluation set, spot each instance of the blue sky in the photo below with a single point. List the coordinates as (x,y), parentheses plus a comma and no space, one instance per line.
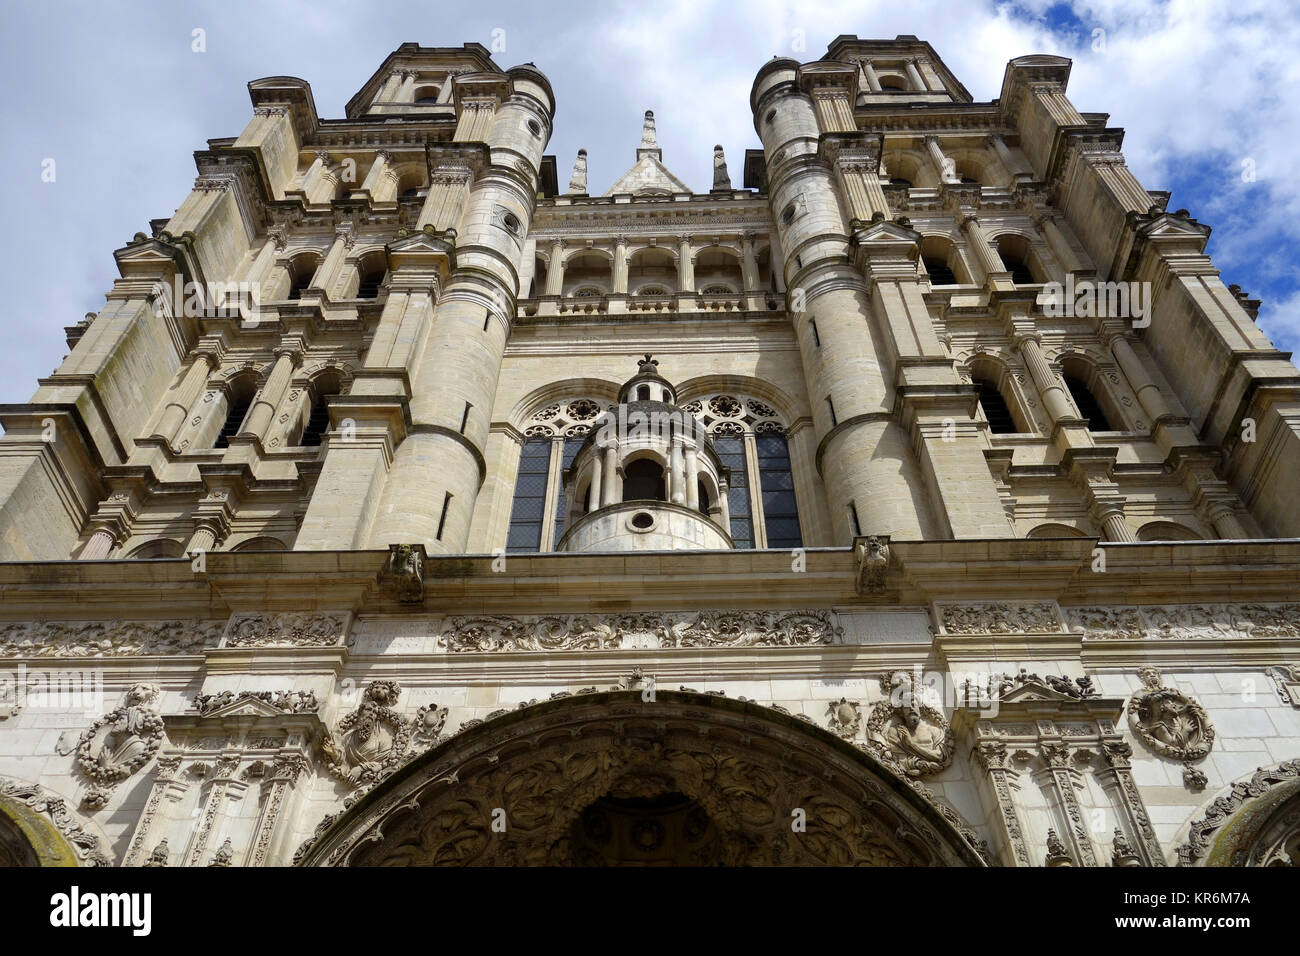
(115,95)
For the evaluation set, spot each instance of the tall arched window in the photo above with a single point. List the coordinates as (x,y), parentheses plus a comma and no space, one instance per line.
(776,481)
(318,417)
(238,401)
(1086,402)
(1016,256)
(301,271)
(643,480)
(529,506)
(995,408)
(371,272)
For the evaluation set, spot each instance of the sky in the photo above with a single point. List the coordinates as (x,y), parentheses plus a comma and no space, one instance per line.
(117,95)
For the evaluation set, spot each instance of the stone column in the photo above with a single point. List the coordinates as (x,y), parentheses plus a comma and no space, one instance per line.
(620,265)
(679,472)
(287,357)
(692,479)
(609,492)
(749,272)
(555,268)
(597,475)
(723,504)
(1110,515)
(98,547)
(1015,166)
(183,396)
(406,92)
(989,259)
(685,267)
(284,773)
(914,75)
(379,171)
(947,173)
(1059,244)
(1148,393)
(1224,520)
(992,756)
(873,81)
(1053,393)
(388,91)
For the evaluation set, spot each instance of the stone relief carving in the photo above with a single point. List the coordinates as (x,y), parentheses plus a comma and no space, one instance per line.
(107,638)
(284,630)
(286,701)
(907,732)
(1171,724)
(86,845)
(1286,681)
(1203,831)
(406,565)
(999,618)
(1186,621)
(845,717)
(374,740)
(121,742)
(702,629)
(873,563)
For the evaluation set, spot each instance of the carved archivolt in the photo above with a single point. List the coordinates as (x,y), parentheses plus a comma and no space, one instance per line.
(107,638)
(88,847)
(1186,621)
(1228,835)
(589,632)
(514,791)
(121,742)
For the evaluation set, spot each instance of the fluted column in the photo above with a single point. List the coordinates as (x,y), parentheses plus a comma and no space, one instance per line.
(287,357)
(98,547)
(1061,247)
(204,538)
(380,181)
(1055,399)
(1112,522)
(388,92)
(1015,166)
(555,269)
(685,267)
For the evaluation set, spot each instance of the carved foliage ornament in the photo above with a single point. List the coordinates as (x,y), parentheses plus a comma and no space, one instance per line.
(999,618)
(1186,621)
(284,630)
(703,629)
(374,740)
(286,701)
(120,743)
(106,638)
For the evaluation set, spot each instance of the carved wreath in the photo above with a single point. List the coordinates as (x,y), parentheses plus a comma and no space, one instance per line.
(134,732)
(1168,721)
(359,726)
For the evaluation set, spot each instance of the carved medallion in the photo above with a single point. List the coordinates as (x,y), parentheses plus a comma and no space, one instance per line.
(120,743)
(909,734)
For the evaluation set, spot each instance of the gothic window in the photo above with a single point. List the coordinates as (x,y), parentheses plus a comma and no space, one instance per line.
(749,438)
(552,436)
(529,507)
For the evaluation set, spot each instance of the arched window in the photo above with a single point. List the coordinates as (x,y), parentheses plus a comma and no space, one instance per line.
(643,393)
(995,408)
(1166,531)
(371,272)
(1015,254)
(261,543)
(1086,402)
(643,480)
(731,452)
(1054,530)
(238,401)
(937,254)
(301,270)
(426,96)
(158,548)
(318,418)
(529,506)
(776,481)
(900,181)
(702,492)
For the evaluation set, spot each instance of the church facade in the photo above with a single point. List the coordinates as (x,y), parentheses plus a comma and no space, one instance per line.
(915,494)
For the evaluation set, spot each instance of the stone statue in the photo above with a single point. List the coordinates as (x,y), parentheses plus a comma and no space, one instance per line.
(721,180)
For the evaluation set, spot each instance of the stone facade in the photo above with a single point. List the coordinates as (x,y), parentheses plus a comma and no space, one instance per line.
(923,500)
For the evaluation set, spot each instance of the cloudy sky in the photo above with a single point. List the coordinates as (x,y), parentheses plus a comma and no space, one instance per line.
(117,97)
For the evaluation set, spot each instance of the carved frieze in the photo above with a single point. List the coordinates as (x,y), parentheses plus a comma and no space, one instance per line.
(285,701)
(107,638)
(649,630)
(1186,621)
(999,618)
(285,630)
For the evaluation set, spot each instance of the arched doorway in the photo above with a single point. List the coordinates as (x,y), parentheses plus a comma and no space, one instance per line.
(615,779)
(1256,823)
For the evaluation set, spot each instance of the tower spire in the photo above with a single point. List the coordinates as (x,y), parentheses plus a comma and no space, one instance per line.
(578,181)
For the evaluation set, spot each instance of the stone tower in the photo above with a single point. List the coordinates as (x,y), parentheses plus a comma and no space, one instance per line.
(935,463)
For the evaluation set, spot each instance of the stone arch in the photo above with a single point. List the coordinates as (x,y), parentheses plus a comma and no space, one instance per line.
(1055,529)
(705,386)
(998,373)
(1168,530)
(1255,823)
(742,769)
(38,829)
(525,410)
(911,165)
(157,548)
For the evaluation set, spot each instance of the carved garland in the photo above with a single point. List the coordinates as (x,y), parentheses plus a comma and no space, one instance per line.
(121,742)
